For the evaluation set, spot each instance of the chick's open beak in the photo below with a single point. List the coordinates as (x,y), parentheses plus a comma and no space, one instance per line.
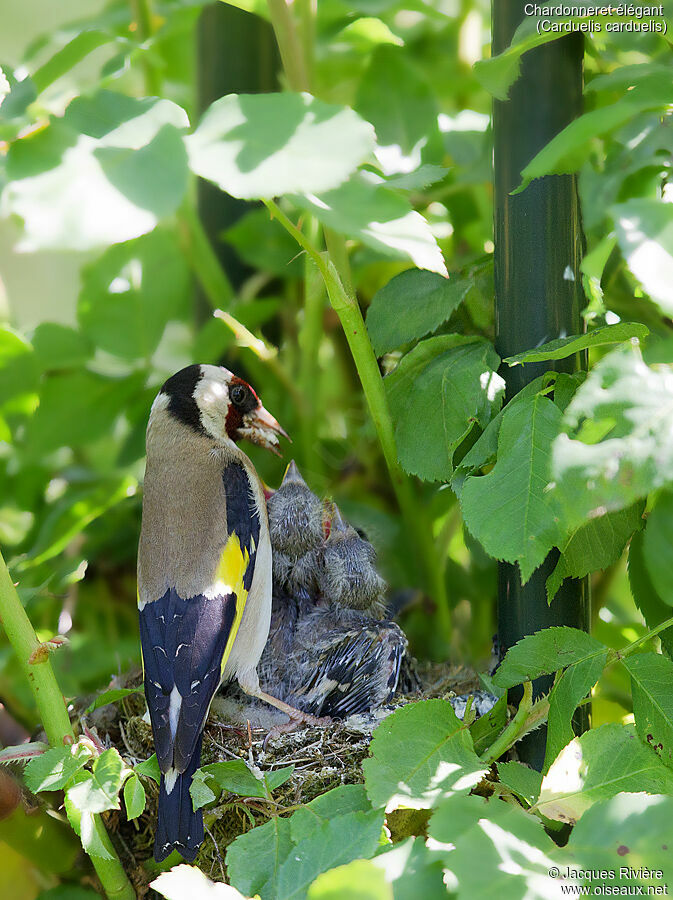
(260,427)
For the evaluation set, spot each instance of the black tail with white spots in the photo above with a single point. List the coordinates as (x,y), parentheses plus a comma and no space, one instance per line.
(179,827)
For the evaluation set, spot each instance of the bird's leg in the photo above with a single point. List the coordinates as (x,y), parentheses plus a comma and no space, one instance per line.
(296,716)
(249,683)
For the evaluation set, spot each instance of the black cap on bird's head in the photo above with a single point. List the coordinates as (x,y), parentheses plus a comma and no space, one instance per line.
(214,402)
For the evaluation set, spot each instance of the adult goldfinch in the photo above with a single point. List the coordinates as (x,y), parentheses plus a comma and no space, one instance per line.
(204,574)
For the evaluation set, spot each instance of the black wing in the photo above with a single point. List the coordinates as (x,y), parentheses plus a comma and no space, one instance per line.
(242,515)
(183,645)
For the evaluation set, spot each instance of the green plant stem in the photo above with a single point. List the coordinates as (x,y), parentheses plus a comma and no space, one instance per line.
(54,715)
(142,11)
(512,732)
(347,308)
(653,632)
(202,258)
(289,45)
(310,334)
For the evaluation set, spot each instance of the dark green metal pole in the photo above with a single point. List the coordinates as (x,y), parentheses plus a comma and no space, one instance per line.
(538,293)
(237,54)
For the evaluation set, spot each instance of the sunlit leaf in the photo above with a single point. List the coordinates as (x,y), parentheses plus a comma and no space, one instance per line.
(134,797)
(108,171)
(265,145)
(381,218)
(597,765)
(545,652)
(645,234)
(420,754)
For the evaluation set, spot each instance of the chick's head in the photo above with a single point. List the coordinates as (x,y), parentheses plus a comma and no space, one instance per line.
(295,516)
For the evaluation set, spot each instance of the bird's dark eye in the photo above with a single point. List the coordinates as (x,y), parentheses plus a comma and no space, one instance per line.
(238,394)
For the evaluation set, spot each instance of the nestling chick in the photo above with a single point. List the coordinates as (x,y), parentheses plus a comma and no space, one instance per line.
(348,576)
(296,528)
(330,661)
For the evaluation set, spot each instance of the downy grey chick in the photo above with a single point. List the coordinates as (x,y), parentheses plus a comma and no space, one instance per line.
(332,661)
(348,577)
(296,525)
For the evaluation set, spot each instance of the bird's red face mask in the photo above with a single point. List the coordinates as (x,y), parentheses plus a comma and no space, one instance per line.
(247,418)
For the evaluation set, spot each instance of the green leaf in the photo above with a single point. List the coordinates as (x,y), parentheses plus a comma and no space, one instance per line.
(79,407)
(653,608)
(414,870)
(658,546)
(411,305)
(564,698)
(264,244)
(254,858)
(134,797)
(74,512)
(492,839)
(406,118)
(111,696)
(59,347)
(68,56)
(651,680)
(98,790)
(448,383)
(568,346)
(280,859)
(263,145)
(597,544)
(53,769)
(347,798)
(485,729)
(234,776)
(357,880)
(545,652)
(597,765)
(88,827)
(131,292)
(630,830)
(521,780)
(149,768)
(566,152)
(618,445)
(365,209)
(419,755)
(645,234)
(108,171)
(510,511)
(485,449)
(18,372)
(334,843)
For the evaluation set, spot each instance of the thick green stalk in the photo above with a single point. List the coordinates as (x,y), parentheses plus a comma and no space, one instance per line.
(310,334)
(142,11)
(516,728)
(54,715)
(202,258)
(289,45)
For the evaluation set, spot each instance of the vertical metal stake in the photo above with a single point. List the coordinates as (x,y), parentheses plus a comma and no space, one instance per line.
(538,292)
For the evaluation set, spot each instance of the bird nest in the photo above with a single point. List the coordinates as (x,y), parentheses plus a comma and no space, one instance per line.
(323,757)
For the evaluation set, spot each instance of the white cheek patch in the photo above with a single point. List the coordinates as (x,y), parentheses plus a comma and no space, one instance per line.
(212,398)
